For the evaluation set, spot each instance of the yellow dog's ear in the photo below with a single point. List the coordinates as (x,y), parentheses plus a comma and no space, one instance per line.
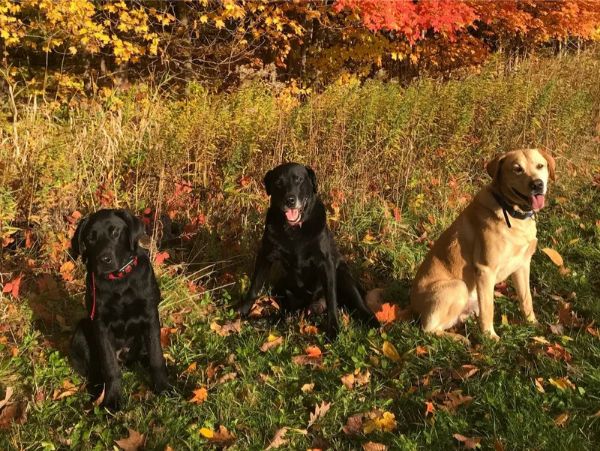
(493,167)
(551,163)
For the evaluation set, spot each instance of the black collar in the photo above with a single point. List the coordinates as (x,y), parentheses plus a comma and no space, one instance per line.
(507,209)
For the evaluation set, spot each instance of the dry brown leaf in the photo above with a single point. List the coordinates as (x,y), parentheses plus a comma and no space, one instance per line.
(313,357)
(363,377)
(279,437)
(468,442)
(562,383)
(227,328)
(308,329)
(227,377)
(354,424)
(554,256)
(7,396)
(348,381)
(453,400)
(68,389)
(271,342)
(165,335)
(465,372)
(100,399)
(14,412)
(539,384)
(222,437)
(134,442)
(319,412)
(372,446)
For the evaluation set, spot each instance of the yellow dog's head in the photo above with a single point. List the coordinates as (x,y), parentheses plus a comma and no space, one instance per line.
(521,177)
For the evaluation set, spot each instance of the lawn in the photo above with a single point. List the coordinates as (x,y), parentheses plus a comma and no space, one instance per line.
(395,165)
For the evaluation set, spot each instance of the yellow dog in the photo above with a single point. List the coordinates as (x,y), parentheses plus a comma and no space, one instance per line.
(493,238)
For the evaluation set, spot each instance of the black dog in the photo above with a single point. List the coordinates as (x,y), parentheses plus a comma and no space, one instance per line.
(122,297)
(297,236)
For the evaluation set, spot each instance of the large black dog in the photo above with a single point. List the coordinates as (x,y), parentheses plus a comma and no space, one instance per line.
(122,297)
(297,236)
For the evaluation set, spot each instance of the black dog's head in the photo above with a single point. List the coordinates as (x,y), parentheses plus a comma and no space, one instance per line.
(107,240)
(292,188)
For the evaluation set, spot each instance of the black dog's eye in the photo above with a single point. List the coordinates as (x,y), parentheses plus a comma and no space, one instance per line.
(540,166)
(298,179)
(115,233)
(518,169)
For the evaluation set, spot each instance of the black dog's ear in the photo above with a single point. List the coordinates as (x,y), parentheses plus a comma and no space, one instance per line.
(268,182)
(135,227)
(77,242)
(313,177)
(494,167)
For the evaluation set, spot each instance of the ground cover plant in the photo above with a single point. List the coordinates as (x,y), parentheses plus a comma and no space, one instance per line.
(395,164)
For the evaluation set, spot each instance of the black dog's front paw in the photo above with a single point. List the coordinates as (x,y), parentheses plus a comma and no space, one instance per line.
(244,307)
(161,383)
(333,327)
(112,397)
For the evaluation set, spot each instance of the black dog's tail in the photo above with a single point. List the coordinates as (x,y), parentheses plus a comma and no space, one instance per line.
(352,296)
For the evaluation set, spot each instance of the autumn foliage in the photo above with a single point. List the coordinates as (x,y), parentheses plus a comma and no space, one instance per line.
(75,46)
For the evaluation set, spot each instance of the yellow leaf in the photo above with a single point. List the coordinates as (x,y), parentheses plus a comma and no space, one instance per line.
(562,383)
(219,23)
(554,256)
(206,433)
(561,419)
(200,395)
(390,351)
(203,18)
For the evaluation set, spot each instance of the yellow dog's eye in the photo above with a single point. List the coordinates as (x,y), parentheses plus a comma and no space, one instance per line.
(518,169)
(540,166)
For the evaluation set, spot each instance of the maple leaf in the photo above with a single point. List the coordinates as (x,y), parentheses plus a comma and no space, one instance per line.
(200,395)
(133,442)
(160,257)
(387,314)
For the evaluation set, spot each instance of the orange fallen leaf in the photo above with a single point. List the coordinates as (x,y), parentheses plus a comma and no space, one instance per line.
(562,383)
(200,395)
(165,336)
(348,381)
(554,256)
(429,408)
(308,329)
(67,389)
(388,313)
(160,257)
(372,446)
(313,351)
(133,442)
(421,350)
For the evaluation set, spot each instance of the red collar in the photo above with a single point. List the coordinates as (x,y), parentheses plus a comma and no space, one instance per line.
(121,273)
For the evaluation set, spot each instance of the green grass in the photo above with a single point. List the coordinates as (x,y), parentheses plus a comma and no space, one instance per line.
(418,148)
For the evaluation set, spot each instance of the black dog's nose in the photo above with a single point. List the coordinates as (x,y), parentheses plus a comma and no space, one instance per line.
(537,185)
(105,259)
(291,201)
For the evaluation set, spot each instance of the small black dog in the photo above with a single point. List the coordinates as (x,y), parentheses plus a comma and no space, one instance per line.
(297,236)
(122,297)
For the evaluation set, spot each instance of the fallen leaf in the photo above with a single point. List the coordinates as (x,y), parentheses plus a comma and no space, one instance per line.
(429,408)
(596,415)
(362,377)
(206,432)
(68,389)
(14,412)
(227,328)
(539,384)
(452,400)
(272,341)
(227,377)
(313,351)
(421,350)
(312,356)
(7,396)
(279,437)
(307,388)
(160,257)
(388,313)
(372,446)
(468,442)
(541,340)
(319,412)
(133,442)
(354,424)
(200,395)
(165,336)
(348,381)
(566,317)
(390,351)
(13,286)
(562,383)
(554,256)
(380,421)
(66,271)
(308,329)
(465,372)
(191,368)
(100,399)
(561,419)
(557,352)
(222,437)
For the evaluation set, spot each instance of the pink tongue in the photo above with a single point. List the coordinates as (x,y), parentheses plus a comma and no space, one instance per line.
(537,201)
(292,214)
